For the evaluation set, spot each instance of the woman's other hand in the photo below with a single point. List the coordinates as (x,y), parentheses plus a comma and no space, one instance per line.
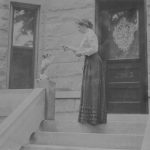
(78,54)
(68,48)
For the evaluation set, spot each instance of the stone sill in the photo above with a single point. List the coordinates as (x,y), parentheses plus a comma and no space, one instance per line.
(67,94)
(74,94)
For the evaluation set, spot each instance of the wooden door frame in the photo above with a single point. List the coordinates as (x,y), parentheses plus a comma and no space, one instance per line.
(143,55)
(10,36)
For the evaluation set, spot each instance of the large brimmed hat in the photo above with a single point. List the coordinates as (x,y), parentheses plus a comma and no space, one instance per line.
(85,22)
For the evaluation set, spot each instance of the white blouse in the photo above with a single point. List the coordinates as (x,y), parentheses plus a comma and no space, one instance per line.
(89,44)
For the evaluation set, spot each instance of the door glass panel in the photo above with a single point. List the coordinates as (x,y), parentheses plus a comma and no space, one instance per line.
(23,27)
(120,34)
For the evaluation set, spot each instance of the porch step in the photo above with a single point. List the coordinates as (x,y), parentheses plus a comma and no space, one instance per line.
(136,118)
(109,128)
(55,147)
(90,140)
(122,132)
(117,124)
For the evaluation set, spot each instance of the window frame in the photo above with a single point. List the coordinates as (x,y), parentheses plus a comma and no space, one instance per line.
(14,4)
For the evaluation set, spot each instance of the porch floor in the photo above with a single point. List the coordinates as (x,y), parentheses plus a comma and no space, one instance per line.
(116,123)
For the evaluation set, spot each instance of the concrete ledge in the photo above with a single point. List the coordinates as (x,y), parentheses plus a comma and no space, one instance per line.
(15,91)
(10,99)
(146,142)
(16,129)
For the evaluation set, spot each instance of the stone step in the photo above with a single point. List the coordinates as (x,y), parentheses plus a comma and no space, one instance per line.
(132,118)
(91,140)
(109,128)
(116,124)
(55,147)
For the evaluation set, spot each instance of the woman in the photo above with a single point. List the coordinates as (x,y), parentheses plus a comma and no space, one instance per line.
(93,104)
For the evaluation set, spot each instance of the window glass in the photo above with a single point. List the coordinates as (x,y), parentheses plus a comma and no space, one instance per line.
(120,33)
(23,27)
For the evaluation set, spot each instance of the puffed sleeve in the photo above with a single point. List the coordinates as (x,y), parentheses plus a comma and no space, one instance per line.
(89,45)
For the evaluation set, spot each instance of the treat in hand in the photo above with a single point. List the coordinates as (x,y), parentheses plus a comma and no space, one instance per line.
(65,48)
(68,48)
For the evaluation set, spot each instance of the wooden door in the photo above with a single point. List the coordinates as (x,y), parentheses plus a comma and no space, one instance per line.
(121,29)
(22,58)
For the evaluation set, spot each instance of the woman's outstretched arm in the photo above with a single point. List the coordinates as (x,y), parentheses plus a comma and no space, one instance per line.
(92,46)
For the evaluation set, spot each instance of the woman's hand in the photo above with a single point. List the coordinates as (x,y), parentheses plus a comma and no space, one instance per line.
(67,48)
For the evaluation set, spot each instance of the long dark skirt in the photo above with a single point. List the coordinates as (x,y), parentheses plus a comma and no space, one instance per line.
(93,103)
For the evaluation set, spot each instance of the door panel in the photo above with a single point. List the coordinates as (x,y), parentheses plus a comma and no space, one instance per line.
(21,68)
(122,36)
(124,86)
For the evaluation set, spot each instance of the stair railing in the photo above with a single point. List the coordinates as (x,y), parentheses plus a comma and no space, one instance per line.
(50,87)
(16,129)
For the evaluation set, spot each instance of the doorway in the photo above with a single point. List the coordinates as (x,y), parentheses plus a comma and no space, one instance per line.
(121,29)
(22,50)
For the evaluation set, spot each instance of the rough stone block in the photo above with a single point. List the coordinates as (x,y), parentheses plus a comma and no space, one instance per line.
(68,83)
(64,105)
(68,4)
(65,69)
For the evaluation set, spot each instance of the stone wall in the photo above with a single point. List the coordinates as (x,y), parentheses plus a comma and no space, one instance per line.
(66,70)
(4,26)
